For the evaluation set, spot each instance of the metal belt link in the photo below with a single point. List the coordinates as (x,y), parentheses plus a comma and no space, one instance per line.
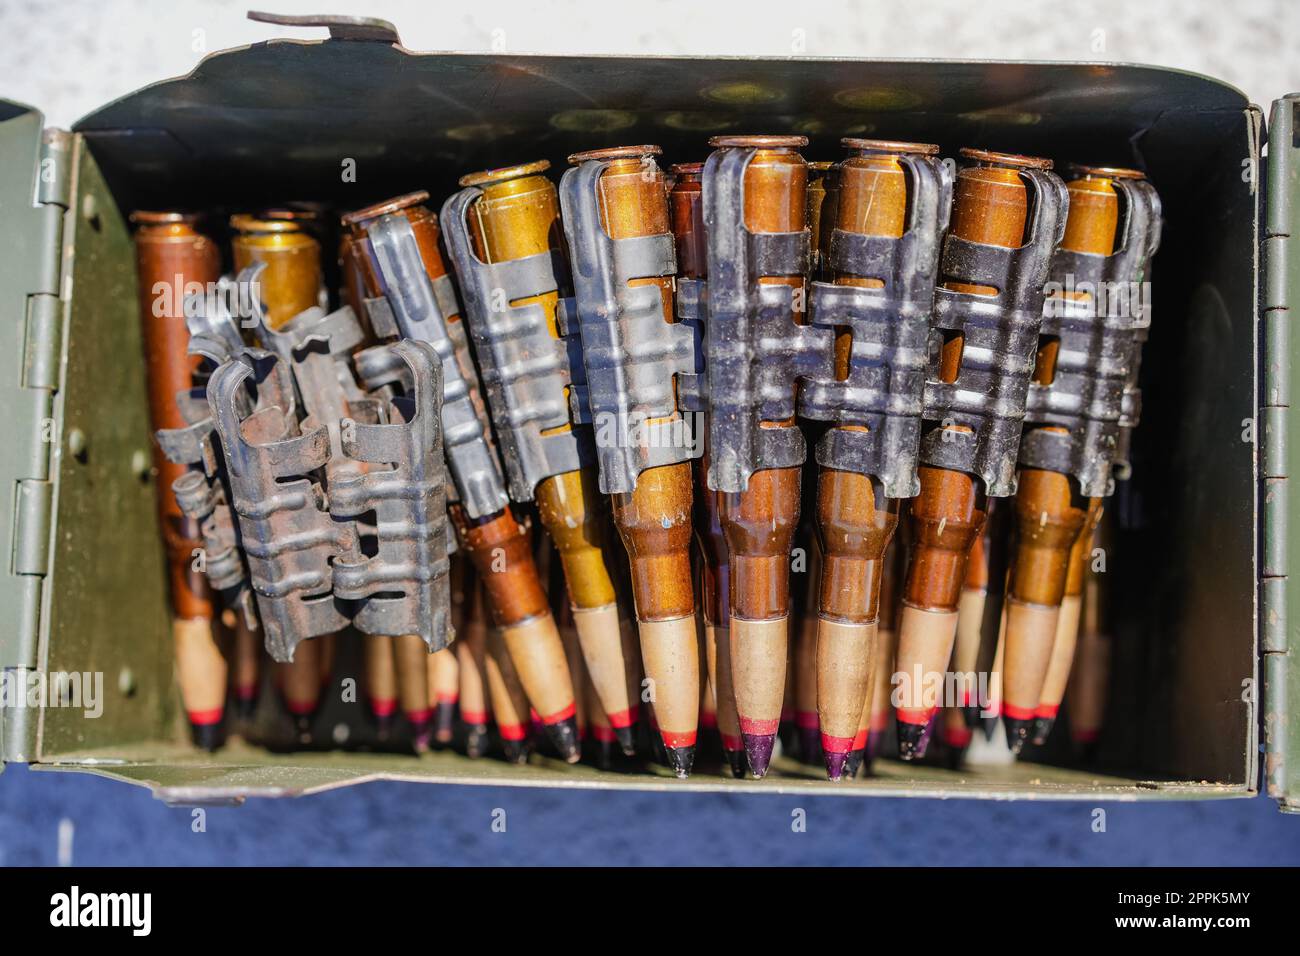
(630,354)
(419,308)
(286,531)
(1000,338)
(386,460)
(404,586)
(1093,394)
(202,495)
(754,351)
(890,327)
(526,370)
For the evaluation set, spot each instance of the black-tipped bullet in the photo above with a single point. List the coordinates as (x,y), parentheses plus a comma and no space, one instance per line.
(302,726)
(601,743)
(444,722)
(381,712)
(516,751)
(680,759)
(954,757)
(810,745)
(477,740)
(872,749)
(972,715)
(853,763)
(245,706)
(1042,729)
(787,733)
(208,737)
(913,740)
(604,754)
(1086,750)
(1017,732)
(990,727)
(626,737)
(758,751)
(421,730)
(563,735)
(736,761)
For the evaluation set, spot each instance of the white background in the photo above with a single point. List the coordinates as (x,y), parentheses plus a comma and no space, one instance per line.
(67,58)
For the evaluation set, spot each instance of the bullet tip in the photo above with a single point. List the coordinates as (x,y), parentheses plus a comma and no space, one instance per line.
(954,757)
(810,744)
(626,739)
(1017,733)
(853,763)
(302,724)
(758,751)
(1042,729)
(680,759)
(208,737)
(477,741)
(835,764)
(873,745)
(563,734)
(421,732)
(989,726)
(516,751)
(444,722)
(913,740)
(736,761)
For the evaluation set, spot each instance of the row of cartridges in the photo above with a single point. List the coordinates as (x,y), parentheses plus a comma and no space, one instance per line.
(700,384)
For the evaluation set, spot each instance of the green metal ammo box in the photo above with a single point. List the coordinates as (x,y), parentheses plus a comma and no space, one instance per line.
(1203,577)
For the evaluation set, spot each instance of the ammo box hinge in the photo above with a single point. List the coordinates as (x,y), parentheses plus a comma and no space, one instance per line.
(1280,295)
(31,430)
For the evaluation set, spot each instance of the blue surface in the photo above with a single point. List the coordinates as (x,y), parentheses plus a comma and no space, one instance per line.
(394,823)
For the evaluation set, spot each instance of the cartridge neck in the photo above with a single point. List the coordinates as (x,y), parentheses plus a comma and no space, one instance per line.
(760,525)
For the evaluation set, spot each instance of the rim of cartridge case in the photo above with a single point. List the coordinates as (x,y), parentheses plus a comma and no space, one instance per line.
(397,204)
(163,217)
(1005,159)
(614,152)
(686,169)
(288,214)
(759,141)
(505,173)
(1105,172)
(247,223)
(889,146)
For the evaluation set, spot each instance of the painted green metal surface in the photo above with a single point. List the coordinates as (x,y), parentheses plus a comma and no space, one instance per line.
(108,619)
(1280,295)
(178,774)
(85,643)
(30,318)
